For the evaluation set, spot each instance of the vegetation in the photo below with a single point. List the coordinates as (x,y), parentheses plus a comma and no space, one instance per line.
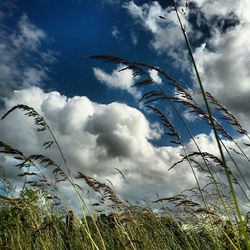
(25,224)
(202,217)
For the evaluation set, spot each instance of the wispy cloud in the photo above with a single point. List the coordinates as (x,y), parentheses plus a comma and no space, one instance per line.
(28,35)
(116,33)
(134,38)
(166,34)
(23,63)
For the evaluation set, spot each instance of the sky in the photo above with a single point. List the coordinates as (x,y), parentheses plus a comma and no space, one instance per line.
(91,107)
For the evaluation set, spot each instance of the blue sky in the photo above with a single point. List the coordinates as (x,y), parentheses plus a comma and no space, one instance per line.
(85,28)
(90,106)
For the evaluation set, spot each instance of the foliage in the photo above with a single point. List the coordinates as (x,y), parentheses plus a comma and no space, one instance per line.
(32,227)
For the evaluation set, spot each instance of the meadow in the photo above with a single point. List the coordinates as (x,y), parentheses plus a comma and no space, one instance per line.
(207,216)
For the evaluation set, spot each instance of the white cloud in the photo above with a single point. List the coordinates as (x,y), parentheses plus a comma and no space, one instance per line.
(167,35)
(189,116)
(117,79)
(123,79)
(33,76)
(23,63)
(155,76)
(216,8)
(28,36)
(133,9)
(224,8)
(98,138)
(224,58)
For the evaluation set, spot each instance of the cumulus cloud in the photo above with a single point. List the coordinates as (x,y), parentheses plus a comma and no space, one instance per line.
(223,56)
(223,59)
(97,138)
(23,63)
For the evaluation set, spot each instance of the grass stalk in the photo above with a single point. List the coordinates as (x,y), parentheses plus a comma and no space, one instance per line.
(239,214)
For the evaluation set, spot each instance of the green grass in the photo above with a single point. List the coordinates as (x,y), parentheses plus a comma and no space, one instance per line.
(25,224)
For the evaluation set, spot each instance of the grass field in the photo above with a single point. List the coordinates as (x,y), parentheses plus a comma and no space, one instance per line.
(26,224)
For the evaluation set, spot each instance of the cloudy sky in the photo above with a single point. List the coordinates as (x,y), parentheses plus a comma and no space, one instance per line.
(91,107)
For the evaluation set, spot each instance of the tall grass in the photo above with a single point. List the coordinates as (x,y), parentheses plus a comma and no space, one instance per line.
(203,217)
